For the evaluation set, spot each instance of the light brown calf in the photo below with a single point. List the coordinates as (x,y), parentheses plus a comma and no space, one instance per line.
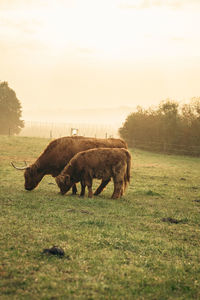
(101,163)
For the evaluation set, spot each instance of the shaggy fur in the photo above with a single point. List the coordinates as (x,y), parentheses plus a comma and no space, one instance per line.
(102,163)
(59,152)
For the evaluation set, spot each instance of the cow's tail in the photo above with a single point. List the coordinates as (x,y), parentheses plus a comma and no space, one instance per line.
(128,169)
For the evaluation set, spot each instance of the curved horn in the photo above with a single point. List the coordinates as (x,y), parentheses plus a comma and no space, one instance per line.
(18,168)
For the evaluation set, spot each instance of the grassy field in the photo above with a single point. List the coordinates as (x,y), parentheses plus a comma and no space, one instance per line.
(114,249)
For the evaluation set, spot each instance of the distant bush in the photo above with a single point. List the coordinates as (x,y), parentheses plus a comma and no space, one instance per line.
(168,128)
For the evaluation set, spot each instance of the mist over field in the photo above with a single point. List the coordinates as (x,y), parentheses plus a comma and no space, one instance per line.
(101,115)
(76,61)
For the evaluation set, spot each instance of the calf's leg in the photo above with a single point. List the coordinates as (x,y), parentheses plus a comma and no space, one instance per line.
(90,193)
(89,186)
(122,191)
(123,188)
(118,188)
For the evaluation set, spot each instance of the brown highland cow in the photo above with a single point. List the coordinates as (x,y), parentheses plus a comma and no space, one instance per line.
(102,163)
(58,153)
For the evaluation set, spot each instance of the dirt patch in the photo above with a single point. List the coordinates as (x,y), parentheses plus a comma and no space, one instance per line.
(171,220)
(54,251)
(83,211)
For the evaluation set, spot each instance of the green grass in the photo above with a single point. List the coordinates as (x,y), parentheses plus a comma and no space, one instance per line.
(115,249)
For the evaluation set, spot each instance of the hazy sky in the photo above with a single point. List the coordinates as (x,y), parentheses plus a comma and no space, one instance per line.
(100,53)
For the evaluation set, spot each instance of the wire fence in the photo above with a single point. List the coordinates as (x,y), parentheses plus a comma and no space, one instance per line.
(168,148)
(56,130)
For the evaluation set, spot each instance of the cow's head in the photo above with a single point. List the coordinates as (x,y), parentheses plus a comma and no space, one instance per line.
(32,176)
(64,183)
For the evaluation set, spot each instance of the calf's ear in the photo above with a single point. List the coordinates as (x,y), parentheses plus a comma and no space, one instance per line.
(67,179)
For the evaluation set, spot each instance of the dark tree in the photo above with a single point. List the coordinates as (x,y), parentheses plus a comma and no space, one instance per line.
(10,111)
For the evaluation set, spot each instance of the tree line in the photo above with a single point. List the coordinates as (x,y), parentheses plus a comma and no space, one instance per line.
(170,128)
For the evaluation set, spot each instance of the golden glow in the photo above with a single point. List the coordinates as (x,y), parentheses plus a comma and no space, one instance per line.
(100,53)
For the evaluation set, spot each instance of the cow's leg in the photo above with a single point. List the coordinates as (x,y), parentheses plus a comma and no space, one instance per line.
(89,186)
(74,189)
(118,187)
(102,186)
(88,183)
(82,194)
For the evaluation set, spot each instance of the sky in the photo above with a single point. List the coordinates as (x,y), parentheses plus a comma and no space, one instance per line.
(72,54)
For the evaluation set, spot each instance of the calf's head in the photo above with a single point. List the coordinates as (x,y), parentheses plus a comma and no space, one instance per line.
(64,183)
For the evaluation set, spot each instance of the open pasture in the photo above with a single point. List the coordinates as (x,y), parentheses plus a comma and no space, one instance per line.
(142,246)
